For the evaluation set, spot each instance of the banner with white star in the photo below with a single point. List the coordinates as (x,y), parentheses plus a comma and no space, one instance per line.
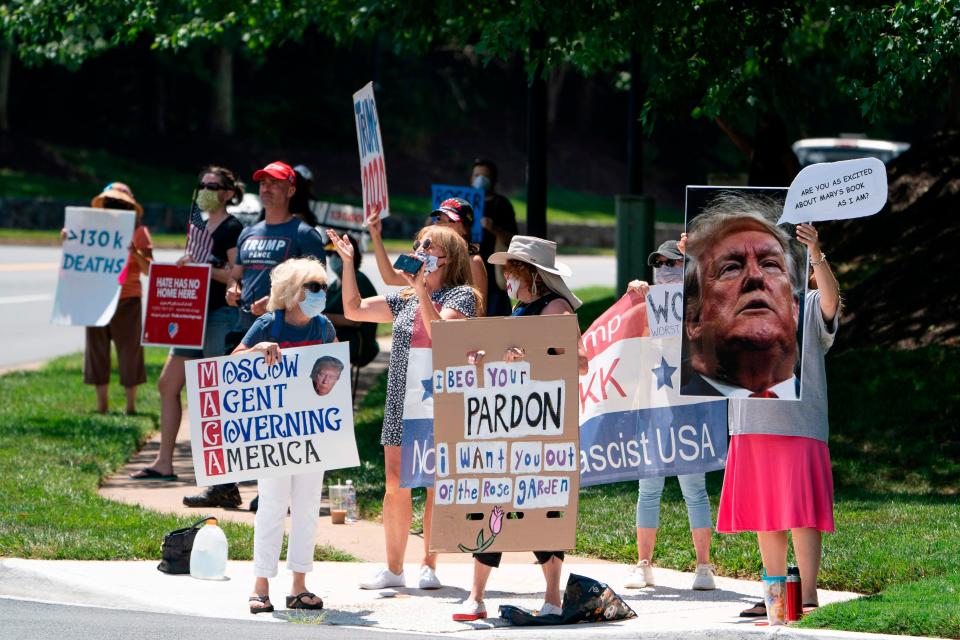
(416,452)
(633,422)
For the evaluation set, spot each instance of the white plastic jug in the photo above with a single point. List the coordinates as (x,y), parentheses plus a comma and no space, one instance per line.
(350,500)
(208,559)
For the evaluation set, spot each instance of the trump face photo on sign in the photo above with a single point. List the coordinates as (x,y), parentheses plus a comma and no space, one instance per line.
(743,289)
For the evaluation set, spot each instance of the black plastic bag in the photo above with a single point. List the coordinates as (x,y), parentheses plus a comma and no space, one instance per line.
(584,600)
(176,547)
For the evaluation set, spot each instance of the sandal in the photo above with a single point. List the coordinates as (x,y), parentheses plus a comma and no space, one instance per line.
(151,474)
(756,611)
(262,600)
(296,602)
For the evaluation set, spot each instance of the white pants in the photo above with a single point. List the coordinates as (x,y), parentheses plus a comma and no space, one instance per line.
(302,494)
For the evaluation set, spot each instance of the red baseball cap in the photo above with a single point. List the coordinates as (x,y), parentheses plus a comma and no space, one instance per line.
(278,170)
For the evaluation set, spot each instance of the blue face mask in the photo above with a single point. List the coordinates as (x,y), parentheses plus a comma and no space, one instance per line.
(481,182)
(314,303)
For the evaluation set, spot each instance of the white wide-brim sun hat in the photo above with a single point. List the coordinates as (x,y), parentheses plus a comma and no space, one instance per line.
(541,254)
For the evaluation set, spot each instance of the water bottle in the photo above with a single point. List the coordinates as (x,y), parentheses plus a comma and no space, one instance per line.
(208,559)
(794,599)
(350,498)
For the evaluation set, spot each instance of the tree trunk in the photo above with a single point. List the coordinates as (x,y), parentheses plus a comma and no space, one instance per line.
(634,131)
(6,58)
(159,100)
(554,89)
(537,148)
(952,120)
(221,120)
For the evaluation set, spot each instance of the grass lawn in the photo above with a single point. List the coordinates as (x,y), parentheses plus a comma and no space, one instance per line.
(54,450)
(897,508)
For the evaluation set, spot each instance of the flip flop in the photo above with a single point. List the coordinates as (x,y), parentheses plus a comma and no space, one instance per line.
(296,602)
(151,474)
(756,611)
(262,599)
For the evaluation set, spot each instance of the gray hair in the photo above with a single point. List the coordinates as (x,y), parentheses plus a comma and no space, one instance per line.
(727,209)
(326,362)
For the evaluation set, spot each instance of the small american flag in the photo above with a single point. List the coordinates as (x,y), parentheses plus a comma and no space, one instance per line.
(199,240)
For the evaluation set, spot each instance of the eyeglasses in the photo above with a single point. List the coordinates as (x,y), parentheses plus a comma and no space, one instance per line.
(315,287)
(212,186)
(668,263)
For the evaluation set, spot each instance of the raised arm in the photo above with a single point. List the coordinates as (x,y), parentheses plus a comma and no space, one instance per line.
(390,275)
(826,281)
(373,309)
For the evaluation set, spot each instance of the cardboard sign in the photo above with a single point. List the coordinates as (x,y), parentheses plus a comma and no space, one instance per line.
(249,421)
(94,254)
(373,171)
(507,435)
(633,422)
(475,197)
(744,289)
(836,191)
(176,305)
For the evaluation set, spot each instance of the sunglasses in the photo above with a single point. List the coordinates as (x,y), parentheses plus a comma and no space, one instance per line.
(212,186)
(424,245)
(315,287)
(668,263)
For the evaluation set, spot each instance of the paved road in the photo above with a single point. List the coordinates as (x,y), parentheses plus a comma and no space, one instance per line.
(46,621)
(28,281)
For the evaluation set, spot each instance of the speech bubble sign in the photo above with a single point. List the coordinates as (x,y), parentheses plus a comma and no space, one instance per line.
(836,191)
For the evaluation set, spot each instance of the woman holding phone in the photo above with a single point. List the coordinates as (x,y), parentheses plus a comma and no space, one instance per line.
(440,289)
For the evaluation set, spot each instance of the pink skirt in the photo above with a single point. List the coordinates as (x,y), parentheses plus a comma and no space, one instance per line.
(775,483)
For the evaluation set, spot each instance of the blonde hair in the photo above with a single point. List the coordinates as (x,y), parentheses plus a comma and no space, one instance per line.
(457,268)
(288,278)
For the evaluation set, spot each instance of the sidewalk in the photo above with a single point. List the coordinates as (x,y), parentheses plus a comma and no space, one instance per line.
(671,609)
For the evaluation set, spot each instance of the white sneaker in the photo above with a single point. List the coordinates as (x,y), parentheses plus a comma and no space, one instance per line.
(383,578)
(641,576)
(704,578)
(471,610)
(548,609)
(428,578)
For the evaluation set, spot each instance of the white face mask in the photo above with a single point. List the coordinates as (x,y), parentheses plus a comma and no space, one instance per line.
(313,304)
(668,275)
(481,182)
(429,262)
(513,287)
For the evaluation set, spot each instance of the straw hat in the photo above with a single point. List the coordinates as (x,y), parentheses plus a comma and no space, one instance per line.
(117,191)
(541,254)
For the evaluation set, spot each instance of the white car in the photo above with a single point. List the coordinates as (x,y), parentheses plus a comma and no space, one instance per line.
(814,150)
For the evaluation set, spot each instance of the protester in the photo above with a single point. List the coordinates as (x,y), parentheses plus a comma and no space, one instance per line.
(667,263)
(217,188)
(125,326)
(457,214)
(499,226)
(260,248)
(535,279)
(362,336)
(440,290)
(742,302)
(297,299)
(778,474)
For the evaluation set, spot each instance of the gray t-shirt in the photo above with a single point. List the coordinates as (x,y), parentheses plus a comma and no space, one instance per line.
(808,416)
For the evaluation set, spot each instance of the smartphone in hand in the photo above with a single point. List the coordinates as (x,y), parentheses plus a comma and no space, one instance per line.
(409,264)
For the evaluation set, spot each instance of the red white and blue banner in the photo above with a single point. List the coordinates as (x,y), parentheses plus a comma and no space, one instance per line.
(633,422)
(418,410)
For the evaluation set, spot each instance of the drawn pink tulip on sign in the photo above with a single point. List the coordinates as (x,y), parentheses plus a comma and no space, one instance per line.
(496,524)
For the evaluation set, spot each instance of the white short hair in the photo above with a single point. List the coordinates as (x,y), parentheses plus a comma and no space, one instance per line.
(288,278)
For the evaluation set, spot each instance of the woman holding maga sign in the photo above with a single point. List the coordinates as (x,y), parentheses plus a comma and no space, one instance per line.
(298,292)
(438,289)
(535,280)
